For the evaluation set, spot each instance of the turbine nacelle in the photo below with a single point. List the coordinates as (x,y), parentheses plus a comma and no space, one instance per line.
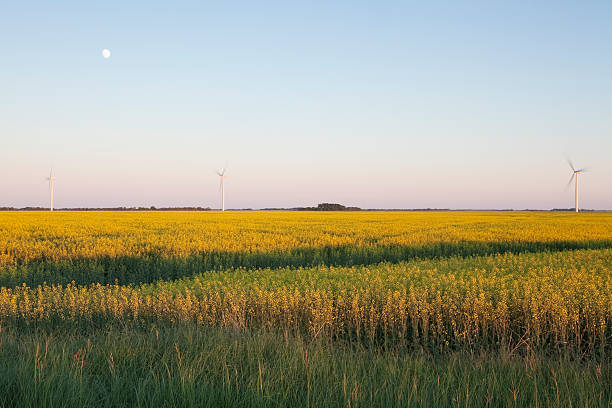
(50,178)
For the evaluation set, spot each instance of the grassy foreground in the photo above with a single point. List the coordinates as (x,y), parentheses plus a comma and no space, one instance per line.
(191,367)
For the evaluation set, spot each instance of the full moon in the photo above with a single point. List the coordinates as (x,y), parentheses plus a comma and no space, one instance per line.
(105,53)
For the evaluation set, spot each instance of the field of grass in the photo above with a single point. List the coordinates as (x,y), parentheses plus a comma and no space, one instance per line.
(319,309)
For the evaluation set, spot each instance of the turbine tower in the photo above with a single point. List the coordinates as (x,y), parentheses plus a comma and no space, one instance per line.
(51,179)
(575,174)
(221,174)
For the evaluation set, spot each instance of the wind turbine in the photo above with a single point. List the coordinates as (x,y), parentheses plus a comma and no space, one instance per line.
(575,174)
(221,173)
(51,180)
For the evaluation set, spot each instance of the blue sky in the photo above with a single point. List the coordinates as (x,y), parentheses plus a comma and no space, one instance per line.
(375,104)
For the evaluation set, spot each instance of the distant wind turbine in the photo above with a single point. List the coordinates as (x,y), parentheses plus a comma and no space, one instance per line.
(221,173)
(575,174)
(51,180)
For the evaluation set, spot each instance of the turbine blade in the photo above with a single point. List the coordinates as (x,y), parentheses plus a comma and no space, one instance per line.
(570,181)
(583,170)
(570,163)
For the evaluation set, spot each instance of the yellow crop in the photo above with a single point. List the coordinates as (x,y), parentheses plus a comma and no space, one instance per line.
(440,279)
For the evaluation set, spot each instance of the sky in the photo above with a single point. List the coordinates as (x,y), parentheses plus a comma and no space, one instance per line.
(376,104)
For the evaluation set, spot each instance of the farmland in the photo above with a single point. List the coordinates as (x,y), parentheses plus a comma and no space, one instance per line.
(282,308)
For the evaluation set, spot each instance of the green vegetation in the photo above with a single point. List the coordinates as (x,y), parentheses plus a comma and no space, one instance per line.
(305,309)
(189,366)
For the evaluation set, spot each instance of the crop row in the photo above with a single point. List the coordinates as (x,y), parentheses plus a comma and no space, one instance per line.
(55,237)
(560,301)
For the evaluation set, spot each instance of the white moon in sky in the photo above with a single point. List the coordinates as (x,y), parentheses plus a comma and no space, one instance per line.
(105,53)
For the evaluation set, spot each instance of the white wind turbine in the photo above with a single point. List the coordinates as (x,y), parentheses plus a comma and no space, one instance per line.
(221,173)
(51,180)
(575,174)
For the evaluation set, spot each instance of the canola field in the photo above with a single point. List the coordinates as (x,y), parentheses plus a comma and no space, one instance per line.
(521,282)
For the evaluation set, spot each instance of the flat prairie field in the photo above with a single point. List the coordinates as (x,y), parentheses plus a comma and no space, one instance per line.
(300,309)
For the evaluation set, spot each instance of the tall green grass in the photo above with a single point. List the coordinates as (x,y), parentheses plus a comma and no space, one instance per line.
(186,366)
